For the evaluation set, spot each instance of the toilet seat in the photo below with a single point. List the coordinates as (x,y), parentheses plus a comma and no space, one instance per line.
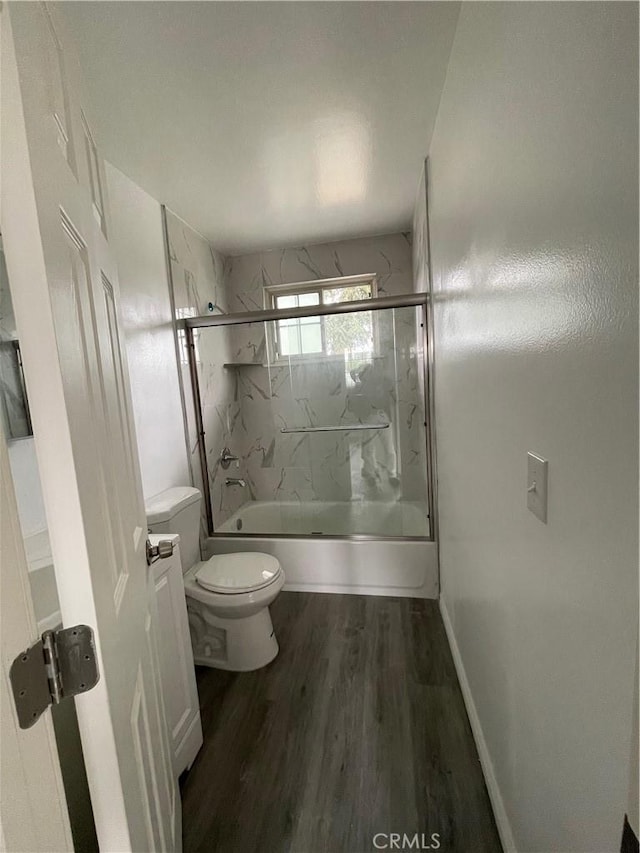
(231,574)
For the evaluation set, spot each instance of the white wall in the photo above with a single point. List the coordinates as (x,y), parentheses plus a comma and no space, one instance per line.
(136,225)
(533,210)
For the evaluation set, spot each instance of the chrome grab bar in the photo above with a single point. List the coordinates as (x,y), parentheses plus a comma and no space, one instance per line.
(340,427)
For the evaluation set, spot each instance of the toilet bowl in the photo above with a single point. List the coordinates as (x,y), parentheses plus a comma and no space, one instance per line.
(228,598)
(228,595)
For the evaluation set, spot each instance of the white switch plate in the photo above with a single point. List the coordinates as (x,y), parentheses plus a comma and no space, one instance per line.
(537,471)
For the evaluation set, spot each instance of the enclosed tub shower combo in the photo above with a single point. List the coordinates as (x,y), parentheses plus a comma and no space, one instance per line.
(314,440)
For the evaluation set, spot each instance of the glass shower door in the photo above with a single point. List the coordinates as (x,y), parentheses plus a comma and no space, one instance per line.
(327,417)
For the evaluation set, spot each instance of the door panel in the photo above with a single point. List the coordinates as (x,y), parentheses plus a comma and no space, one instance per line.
(177,670)
(56,86)
(55,221)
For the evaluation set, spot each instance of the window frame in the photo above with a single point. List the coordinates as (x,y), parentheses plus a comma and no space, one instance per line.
(273,291)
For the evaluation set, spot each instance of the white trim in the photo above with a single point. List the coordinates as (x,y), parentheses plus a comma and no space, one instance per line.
(499,811)
(271,293)
(294,287)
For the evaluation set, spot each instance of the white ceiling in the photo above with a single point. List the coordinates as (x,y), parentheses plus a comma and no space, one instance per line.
(268,124)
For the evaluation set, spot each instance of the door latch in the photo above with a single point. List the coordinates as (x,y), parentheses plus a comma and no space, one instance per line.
(161,551)
(60,664)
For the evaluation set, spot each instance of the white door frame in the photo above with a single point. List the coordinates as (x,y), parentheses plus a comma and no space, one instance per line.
(33,806)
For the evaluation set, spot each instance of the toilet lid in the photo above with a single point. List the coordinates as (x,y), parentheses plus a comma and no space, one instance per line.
(241,572)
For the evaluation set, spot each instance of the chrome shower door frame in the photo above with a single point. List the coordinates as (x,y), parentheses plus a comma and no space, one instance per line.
(409,300)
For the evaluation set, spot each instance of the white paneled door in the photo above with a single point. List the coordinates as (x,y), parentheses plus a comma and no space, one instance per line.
(55,227)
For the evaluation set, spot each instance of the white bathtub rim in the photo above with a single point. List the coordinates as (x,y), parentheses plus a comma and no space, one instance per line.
(317,537)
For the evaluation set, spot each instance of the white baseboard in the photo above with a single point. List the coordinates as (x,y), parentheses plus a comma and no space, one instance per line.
(499,811)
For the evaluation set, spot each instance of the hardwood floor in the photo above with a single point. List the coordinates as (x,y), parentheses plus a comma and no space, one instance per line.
(358,727)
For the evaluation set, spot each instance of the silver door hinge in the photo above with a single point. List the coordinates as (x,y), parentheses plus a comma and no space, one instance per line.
(60,664)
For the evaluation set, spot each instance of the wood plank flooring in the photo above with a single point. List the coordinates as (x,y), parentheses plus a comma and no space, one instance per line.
(358,727)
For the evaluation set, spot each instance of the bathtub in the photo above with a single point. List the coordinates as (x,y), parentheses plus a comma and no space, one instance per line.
(315,546)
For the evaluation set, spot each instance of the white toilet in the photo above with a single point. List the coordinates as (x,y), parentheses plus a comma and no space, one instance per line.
(228,596)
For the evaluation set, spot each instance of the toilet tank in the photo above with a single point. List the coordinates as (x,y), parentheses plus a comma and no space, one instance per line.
(177,510)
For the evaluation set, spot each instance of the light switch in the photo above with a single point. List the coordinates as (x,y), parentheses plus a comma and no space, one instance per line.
(537,470)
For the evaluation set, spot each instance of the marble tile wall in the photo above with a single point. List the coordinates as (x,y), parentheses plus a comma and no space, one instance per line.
(198,277)
(373,465)
(388,256)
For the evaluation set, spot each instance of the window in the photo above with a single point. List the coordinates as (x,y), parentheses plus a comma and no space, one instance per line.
(300,335)
(306,336)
